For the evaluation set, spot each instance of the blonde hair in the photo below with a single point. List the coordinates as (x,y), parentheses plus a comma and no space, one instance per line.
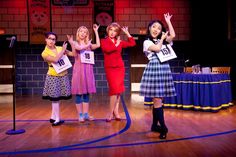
(77,34)
(116,26)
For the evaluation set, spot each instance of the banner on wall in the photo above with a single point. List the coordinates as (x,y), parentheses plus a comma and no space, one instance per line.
(39,20)
(69,2)
(103,14)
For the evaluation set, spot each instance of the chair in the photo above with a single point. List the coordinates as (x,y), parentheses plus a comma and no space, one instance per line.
(188,69)
(220,70)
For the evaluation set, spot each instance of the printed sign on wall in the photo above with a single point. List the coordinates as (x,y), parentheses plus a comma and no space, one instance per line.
(103,14)
(39,20)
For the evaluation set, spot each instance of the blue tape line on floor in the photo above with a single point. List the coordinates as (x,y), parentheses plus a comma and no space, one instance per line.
(127,126)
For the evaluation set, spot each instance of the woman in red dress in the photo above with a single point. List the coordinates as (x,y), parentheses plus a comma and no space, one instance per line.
(112,47)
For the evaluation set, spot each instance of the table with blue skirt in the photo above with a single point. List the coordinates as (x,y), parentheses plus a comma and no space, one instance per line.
(206,92)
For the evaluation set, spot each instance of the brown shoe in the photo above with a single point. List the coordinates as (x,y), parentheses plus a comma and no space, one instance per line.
(108,120)
(117,117)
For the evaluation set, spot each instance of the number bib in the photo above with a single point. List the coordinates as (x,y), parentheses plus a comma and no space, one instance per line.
(62,65)
(166,53)
(87,57)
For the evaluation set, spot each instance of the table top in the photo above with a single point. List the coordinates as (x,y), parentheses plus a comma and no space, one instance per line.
(201,78)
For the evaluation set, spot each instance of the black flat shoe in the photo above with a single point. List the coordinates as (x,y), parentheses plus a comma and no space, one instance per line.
(58,123)
(163,136)
(163,133)
(52,120)
(156,128)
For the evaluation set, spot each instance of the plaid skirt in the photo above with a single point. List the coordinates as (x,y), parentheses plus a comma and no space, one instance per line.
(157,80)
(57,88)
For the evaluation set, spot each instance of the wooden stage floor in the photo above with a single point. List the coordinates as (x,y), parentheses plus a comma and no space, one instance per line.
(191,133)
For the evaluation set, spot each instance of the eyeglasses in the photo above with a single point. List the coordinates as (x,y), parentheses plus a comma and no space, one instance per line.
(52,39)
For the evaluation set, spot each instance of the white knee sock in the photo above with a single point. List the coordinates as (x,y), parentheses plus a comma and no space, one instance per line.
(53,116)
(56,111)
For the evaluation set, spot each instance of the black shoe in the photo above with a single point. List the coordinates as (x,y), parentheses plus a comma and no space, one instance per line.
(58,123)
(52,120)
(163,133)
(156,128)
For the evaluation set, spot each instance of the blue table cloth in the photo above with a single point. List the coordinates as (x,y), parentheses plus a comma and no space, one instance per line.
(208,92)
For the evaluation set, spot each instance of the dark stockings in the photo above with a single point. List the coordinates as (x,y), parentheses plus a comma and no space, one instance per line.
(158,116)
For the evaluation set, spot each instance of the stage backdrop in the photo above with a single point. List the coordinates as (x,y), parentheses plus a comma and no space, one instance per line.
(69,2)
(39,20)
(103,14)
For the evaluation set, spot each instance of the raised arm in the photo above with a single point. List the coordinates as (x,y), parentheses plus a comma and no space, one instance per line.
(82,47)
(97,45)
(171,34)
(58,55)
(157,47)
(125,29)
(131,41)
(72,43)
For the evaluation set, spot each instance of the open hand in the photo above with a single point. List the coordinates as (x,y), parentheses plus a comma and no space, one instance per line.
(125,29)
(164,35)
(64,46)
(167,17)
(70,38)
(95,27)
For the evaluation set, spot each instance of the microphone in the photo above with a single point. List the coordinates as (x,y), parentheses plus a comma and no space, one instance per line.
(186,61)
(185,64)
(13,38)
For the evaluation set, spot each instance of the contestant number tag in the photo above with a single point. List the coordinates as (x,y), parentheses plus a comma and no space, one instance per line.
(87,57)
(62,64)
(166,53)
